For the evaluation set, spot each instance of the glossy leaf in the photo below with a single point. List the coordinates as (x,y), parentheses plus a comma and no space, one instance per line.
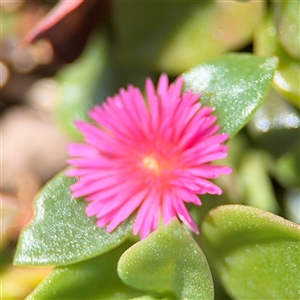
(174,37)
(168,261)
(92,279)
(235,85)
(255,253)
(61,233)
(286,79)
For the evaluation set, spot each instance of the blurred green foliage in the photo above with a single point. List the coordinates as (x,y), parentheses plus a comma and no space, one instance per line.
(249,252)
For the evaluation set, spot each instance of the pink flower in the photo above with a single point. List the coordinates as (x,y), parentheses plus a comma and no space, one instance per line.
(150,154)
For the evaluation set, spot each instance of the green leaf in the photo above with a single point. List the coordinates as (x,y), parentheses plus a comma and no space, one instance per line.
(255,253)
(286,168)
(143,298)
(287,19)
(174,37)
(258,189)
(92,279)
(235,85)
(168,261)
(286,79)
(275,126)
(78,82)
(61,233)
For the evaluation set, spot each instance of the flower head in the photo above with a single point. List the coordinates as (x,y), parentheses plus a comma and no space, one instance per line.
(147,154)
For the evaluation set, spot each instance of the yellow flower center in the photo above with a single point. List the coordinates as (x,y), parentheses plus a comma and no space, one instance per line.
(151,163)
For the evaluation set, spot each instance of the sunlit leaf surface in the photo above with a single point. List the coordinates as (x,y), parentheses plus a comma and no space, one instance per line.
(235,85)
(61,233)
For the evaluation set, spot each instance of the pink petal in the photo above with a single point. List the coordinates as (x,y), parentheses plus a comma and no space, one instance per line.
(127,209)
(82,150)
(168,212)
(163,84)
(139,224)
(184,215)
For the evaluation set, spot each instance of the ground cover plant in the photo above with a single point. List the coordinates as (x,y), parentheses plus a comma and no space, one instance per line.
(178,175)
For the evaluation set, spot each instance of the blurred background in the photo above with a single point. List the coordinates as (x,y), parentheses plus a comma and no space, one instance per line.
(59,58)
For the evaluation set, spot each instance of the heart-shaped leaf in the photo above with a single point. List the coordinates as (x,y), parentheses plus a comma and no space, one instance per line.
(235,85)
(255,253)
(61,233)
(168,261)
(92,279)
